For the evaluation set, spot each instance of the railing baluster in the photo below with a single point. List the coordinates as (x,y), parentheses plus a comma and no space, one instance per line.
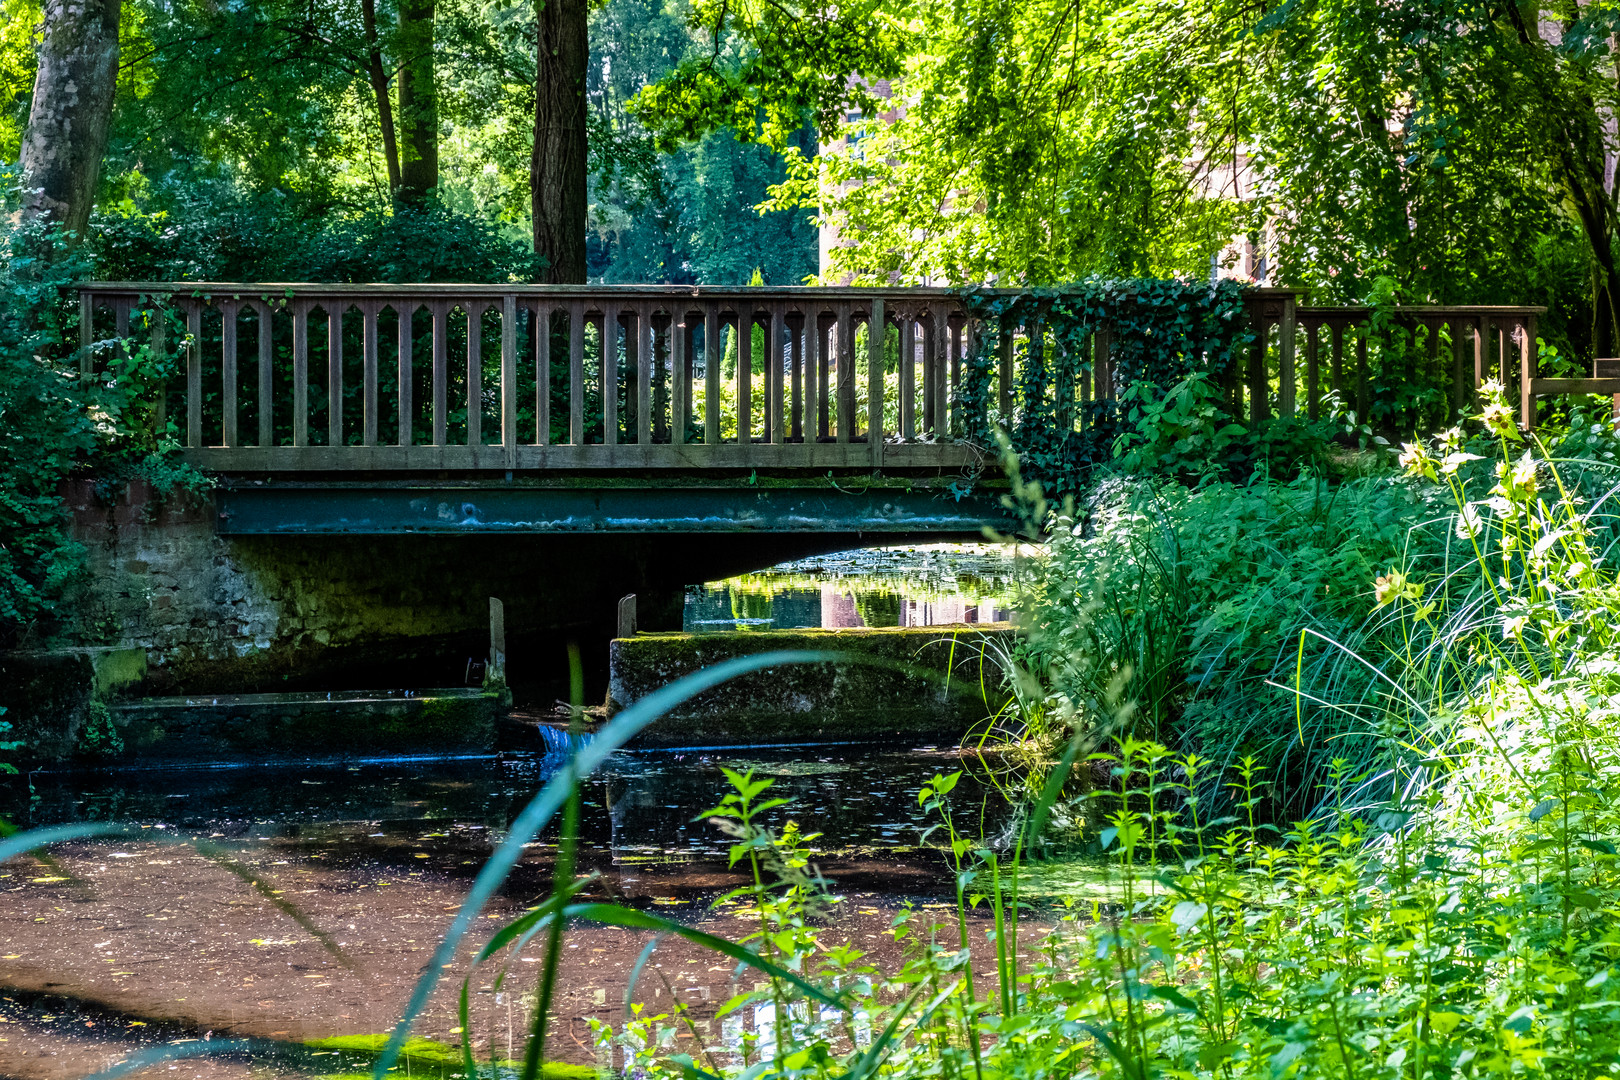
(475,372)
(942,389)
(267,429)
(1287,329)
(607,338)
(905,380)
(877,333)
(777,352)
(193,374)
(300,314)
(441,369)
(680,372)
(1461,376)
(576,373)
(1338,361)
(406,310)
(925,327)
(645,358)
(745,372)
(1313,377)
(121,325)
(1361,375)
(824,363)
(509,431)
(955,328)
(712,332)
(227,364)
(334,373)
(815,343)
(542,373)
(1259,383)
(368,375)
(796,347)
(87,332)
(159,329)
(1005,373)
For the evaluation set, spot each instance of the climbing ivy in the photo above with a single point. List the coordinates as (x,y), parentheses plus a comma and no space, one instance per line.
(1160,333)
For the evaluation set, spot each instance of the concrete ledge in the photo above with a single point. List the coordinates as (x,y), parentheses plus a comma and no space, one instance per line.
(930,684)
(307,724)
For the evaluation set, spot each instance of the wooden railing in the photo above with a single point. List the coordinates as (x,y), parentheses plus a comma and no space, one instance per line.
(525,387)
(485,378)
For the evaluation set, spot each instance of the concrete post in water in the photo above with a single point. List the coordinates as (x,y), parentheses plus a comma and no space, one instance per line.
(627,617)
(495,674)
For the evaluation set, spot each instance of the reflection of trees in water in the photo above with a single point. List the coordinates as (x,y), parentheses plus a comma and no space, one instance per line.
(879,608)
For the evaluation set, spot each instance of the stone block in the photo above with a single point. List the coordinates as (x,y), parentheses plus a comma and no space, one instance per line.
(930,684)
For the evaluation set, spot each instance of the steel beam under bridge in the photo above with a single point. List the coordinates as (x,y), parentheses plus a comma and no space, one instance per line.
(871,512)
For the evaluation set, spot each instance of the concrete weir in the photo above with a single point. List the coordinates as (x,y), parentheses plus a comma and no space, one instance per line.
(935,684)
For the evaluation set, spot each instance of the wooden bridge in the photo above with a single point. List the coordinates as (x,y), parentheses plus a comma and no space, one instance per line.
(586,391)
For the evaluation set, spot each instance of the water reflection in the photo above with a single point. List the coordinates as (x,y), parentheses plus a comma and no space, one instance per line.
(921,585)
(639,809)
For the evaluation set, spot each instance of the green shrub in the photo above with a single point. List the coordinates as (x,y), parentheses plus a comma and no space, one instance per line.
(1189,602)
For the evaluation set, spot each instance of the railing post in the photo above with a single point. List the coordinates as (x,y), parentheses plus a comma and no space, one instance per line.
(1259,384)
(1527,372)
(334,372)
(877,333)
(509,380)
(1005,358)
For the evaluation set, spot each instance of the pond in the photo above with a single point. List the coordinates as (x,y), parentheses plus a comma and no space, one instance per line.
(142,940)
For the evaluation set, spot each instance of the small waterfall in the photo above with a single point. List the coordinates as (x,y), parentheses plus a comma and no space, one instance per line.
(556,740)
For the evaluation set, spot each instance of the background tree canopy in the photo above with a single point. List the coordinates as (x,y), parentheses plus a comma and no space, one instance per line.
(1454,151)
(247,141)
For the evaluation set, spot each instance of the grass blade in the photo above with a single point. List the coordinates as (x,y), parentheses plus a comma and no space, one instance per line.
(614,735)
(616,915)
(159,1054)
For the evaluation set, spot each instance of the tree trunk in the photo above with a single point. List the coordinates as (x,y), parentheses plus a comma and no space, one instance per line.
(418,102)
(557,170)
(72,108)
(379,88)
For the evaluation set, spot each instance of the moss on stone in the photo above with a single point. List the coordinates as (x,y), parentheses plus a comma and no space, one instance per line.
(923,683)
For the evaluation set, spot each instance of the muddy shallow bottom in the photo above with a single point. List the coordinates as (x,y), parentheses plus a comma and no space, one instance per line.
(129,942)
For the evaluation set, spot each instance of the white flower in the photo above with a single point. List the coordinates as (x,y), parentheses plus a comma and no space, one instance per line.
(1513,626)
(1469,524)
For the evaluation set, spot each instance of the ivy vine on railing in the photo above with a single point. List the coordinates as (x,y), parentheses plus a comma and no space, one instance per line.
(1159,333)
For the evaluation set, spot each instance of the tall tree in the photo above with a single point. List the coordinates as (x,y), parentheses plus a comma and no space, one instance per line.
(418,102)
(72,108)
(557,171)
(378,77)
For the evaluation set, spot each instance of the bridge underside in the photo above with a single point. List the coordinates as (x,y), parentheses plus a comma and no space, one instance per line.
(382,580)
(863,510)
